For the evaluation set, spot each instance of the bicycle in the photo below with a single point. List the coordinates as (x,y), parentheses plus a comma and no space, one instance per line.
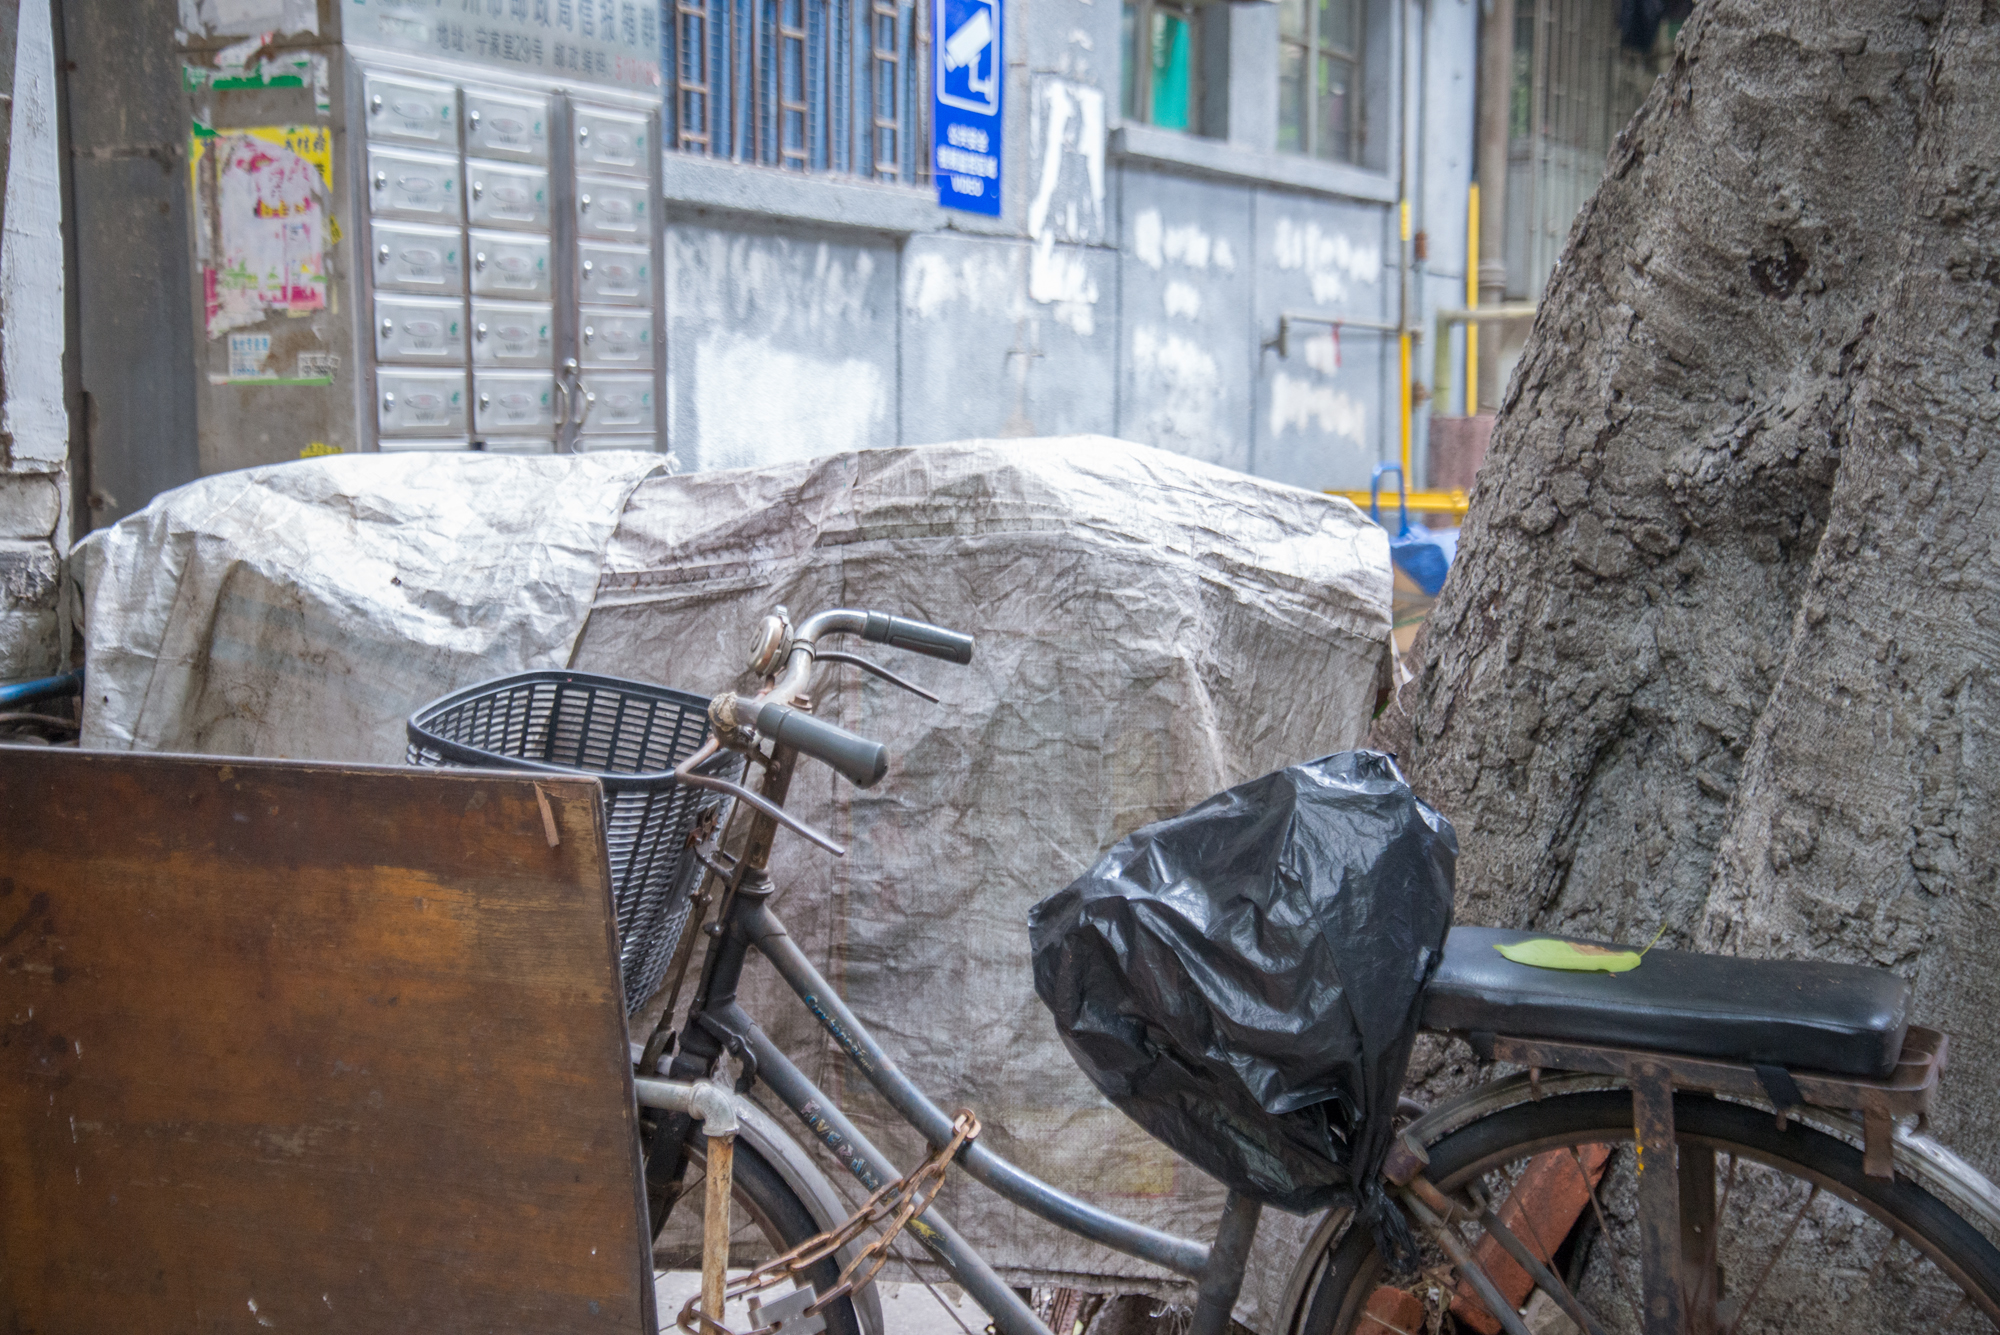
(1791,1086)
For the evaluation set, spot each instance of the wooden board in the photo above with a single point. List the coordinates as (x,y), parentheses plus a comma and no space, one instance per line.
(310,1048)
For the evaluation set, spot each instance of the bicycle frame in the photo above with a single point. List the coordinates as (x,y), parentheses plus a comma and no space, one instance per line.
(717,1024)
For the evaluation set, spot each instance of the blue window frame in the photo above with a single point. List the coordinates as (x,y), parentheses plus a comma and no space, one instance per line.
(802,85)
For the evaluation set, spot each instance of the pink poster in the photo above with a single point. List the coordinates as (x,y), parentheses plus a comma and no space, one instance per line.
(269,225)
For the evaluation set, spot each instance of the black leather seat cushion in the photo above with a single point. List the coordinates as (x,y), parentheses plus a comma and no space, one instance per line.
(1794,1013)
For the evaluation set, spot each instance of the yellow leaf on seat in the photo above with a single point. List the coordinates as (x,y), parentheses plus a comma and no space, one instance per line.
(1545,952)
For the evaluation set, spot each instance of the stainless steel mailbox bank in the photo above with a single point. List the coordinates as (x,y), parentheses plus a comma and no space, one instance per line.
(422,224)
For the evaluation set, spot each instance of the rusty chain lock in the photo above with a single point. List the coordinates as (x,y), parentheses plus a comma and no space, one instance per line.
(898,1203)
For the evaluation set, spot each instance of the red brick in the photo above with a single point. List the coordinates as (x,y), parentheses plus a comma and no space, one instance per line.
(1391,1310)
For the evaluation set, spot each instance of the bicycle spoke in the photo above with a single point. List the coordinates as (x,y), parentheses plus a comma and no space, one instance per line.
(1751,1266)
(918,1275)
(1728,1185)
(1618,1258)
(1772,1264)
(1543,1253)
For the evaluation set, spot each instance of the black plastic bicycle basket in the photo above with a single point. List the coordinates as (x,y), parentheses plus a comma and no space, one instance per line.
(630,735)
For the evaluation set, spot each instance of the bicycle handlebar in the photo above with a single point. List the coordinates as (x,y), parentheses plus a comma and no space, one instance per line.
(917,636)
(773,714)
(862,761)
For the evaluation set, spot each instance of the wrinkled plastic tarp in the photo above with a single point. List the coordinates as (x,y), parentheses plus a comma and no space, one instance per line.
(1244,979)
(1151,630)
(306,609)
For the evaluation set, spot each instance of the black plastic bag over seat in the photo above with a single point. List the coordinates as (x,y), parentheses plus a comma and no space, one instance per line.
(1244,979)
(1801,1014)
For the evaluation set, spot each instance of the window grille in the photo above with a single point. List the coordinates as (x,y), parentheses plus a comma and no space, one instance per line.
(802,85)
(1575,87)
(1319,78)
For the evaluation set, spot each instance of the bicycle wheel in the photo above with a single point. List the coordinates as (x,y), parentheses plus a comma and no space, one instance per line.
(1804,1240)
(766,1218)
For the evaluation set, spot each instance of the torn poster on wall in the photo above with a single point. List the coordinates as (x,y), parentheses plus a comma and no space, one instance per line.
(238,18)
(263,229)
(237,70)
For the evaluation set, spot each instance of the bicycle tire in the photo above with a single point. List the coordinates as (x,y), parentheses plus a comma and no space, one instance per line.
(1959,1251)
(776,1211)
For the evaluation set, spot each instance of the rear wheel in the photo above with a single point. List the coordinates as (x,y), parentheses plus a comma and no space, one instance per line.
(766,1219)
(1802,1239)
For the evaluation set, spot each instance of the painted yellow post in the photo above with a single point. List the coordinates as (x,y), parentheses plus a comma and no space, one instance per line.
(1472,299)
(1403,378)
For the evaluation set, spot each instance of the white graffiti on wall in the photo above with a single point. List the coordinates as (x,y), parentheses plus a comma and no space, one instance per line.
(1072,125)
(757,403)
(1322,352)
(1302,405)
(1062,279)
(1185,387)
(975,279)
(1064,210)
(738,280)
(1182,300)
(1156,245)
(1075,59)
(1331,261)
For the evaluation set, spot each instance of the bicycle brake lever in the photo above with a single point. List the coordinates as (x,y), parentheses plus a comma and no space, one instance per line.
(855,660)
(769,808)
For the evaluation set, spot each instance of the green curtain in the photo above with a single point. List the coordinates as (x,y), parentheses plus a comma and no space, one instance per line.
(1173,70)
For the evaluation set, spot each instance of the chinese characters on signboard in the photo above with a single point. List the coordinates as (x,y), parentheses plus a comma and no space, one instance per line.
(968,70)
(605,41)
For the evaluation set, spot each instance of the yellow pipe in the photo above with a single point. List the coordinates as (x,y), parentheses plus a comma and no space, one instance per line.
(1454,503)
(1403,346)
(1472,298)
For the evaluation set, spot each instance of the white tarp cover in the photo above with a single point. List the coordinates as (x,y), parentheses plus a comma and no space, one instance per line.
(299,609)
(1150,630)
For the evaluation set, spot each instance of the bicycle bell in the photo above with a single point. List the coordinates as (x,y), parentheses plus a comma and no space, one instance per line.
(772,637)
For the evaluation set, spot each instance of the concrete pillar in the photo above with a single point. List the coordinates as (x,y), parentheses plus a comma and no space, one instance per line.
(34,452)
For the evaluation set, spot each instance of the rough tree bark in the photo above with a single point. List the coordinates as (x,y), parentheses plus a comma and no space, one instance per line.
(1720,650)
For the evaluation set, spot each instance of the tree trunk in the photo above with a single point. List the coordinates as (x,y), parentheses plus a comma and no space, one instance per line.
(1720,648)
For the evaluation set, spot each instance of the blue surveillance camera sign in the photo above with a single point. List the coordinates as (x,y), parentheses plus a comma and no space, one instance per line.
(967,76)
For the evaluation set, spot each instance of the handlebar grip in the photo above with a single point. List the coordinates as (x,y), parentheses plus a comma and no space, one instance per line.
(918,636)
(862,761)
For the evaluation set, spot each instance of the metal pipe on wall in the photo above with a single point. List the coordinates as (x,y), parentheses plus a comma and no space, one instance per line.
(1404,157)
(1471,297)
(1410,248)
(1496,83)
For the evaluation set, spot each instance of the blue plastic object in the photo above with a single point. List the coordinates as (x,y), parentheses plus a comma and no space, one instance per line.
(1424,554)
(42,688)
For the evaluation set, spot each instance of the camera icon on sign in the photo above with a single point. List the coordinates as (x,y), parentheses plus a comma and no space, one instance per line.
(969,57)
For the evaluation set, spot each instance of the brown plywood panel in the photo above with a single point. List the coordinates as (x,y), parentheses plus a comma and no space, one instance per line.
(306,1047)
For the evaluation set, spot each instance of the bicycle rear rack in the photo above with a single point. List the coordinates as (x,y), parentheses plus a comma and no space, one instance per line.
(1905,1092)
